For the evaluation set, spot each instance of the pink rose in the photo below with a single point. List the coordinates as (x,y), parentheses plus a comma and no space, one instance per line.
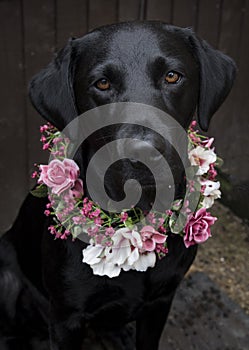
(197,229)
(59,175)
(150,237)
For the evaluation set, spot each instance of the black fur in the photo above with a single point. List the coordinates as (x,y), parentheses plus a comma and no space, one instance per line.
(43,281)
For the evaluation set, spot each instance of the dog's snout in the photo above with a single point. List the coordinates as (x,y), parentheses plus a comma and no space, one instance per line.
(141,150)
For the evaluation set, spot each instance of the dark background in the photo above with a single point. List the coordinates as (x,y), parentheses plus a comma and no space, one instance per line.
(32,30)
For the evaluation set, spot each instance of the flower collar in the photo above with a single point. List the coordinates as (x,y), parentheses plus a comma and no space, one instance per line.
(131,239)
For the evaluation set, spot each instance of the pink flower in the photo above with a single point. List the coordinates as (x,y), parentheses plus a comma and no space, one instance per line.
(92,231)
(98,221)
(77,220)
(150,237)
(59,175)
(208,142)
(60,217)
(212,173)
(44,128)
(65,234)
(34,175)
(43,139)
(57,139)
(161,250)
(123,216)
(109,231)
(162,229)
(52,229)
(197,229)
(195,138)
(77,190)
(95,213)
(45,146)
(87,207)
(151,218)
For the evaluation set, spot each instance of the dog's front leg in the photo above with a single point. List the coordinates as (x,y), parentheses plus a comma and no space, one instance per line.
(151,322)
(66,332)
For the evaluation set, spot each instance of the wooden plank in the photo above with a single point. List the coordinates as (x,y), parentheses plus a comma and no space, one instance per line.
(13,165)
(240,160)
(128,10)
(229,40)
(159,10)
(39,34)
(185,13)
(102,12)
(71,20)
(243,59)
(226,125)
(208,20)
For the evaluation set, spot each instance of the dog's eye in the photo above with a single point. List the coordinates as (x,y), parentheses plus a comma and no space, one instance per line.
(103,84)
(172,77)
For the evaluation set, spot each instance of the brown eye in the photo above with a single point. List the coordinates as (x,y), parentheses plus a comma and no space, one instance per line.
(103,84)
(172,77)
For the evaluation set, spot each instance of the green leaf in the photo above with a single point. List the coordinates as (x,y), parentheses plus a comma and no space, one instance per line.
(172,221)
(40,191)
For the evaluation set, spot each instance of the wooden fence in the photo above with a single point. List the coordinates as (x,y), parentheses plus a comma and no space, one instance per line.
(32,30)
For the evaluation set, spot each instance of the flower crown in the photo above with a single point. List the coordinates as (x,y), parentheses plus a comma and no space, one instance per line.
(115,241)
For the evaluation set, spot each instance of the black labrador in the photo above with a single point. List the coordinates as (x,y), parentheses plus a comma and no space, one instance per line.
(43,281)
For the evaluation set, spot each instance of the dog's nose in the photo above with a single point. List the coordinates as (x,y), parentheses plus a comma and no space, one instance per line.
(144,151)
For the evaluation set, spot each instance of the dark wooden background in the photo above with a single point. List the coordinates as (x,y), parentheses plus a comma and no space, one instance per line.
(32,30)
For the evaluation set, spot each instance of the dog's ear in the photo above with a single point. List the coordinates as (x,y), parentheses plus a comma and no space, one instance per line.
(217,75)
(51,91)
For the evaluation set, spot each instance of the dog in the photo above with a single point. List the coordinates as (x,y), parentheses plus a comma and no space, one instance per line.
(44,284)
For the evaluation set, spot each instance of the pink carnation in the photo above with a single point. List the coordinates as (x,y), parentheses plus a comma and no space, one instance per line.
(150,237)
(59,175)
(197,229)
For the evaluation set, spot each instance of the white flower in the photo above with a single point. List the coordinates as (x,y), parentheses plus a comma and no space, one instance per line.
(210,187)
(203,158)
(92,254)
(211,192)
(121,248)
(143,262)
(105,268)
(125,253)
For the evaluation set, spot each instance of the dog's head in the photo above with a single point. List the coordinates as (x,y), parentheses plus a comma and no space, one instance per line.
(149,62)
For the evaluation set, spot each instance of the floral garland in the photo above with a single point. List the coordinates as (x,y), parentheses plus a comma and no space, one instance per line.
(116,243)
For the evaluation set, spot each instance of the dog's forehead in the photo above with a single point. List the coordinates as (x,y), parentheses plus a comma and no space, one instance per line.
(137,43)
(141,42)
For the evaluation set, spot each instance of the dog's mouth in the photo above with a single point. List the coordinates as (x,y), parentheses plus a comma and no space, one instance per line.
(154,193)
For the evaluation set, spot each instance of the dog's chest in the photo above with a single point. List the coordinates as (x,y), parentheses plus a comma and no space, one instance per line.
(109,302)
